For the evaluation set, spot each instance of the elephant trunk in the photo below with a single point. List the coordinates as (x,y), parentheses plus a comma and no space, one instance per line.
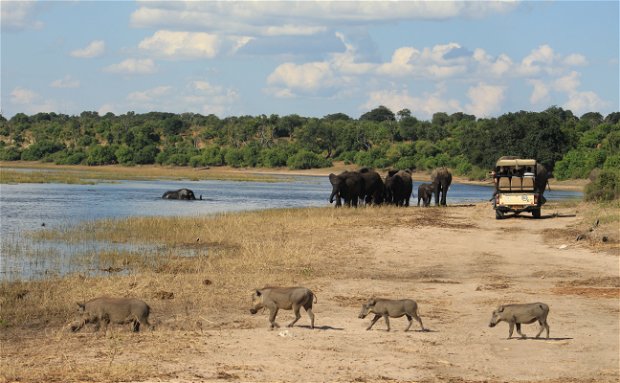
(331,197)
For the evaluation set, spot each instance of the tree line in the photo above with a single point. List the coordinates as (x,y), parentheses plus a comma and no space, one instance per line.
(569,145)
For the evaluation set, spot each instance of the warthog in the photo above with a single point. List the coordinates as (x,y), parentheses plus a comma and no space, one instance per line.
(391,308)
(285,298)
(116,310)
(521,313)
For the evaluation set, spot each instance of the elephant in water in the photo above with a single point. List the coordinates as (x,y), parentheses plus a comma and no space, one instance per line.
(425,193)
(180,194)
(347,185)
(442,178)
(398,187)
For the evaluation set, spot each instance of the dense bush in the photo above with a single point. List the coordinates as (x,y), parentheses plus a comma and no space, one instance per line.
(305,159)
(604,187)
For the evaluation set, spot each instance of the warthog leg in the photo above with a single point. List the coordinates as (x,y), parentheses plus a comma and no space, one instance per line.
(272,317)
(387,321)
(297,315)
(419,321)
(511,327)
(543,325)
(373,321)
(311,315)
(519,330)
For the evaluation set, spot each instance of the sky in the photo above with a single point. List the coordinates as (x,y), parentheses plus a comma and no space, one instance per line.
(309,58)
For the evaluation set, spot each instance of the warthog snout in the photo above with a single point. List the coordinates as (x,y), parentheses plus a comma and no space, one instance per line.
(253,311)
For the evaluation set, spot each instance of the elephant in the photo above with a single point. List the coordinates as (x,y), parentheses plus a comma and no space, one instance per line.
(373,186)
(441,178)
(348,186)
(398,187)
(425,193)
(180,194)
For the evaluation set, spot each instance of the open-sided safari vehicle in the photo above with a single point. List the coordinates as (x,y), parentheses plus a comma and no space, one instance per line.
(519,186)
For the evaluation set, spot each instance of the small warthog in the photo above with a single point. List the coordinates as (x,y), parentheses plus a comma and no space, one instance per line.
(285,298)
(116,310)
(521,313)
(391,308)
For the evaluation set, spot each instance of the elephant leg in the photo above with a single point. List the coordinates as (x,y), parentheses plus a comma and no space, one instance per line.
(444,194)
(437,190)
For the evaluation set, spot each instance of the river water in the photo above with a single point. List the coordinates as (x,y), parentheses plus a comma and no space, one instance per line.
(26,208)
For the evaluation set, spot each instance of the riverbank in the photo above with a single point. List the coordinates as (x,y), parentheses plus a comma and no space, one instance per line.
(458,262)
(45,172)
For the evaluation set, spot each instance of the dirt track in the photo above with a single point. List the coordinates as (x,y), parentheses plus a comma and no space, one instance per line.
(458,269)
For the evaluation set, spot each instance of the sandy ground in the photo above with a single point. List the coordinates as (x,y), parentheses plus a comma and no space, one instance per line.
(458,271)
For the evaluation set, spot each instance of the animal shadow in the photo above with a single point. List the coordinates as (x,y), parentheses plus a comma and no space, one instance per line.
(325,328)
(541,338)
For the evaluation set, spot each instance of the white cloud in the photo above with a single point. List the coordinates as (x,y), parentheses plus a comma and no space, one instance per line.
(133,66)
(19,15)
(305,78)
(94,49)
(181,44)
(293,30)
(575,59)
(30,102)
(568,83)
(540,92)
(486,99)
(301,17)
(21,95)
(424,106)
(148,95)
(65,83)
(582,102)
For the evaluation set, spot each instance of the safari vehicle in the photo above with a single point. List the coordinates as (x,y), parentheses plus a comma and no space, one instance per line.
(519,186)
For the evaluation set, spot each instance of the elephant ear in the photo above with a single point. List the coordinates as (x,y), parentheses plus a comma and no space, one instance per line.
(332,178)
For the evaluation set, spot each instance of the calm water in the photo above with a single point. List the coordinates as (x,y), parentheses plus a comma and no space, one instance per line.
(25,208)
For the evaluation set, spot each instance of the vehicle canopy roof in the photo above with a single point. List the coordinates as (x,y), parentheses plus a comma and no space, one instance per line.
(515,163)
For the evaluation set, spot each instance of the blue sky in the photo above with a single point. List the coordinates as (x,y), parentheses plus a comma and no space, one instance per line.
(309,58)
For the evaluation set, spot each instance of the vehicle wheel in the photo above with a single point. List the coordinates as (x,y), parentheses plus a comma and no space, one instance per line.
(499,214)
(536,213)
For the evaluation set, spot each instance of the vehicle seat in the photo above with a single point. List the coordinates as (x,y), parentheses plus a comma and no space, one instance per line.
(504,184)
(528,183)
(515,184)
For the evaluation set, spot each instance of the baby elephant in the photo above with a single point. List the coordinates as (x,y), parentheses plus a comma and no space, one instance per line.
(391,308)
(115,310)
(285,298)
(521,313)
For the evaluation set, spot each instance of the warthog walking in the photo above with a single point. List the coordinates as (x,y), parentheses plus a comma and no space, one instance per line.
(285,298)
(391,308)
(116,310)
(521,313)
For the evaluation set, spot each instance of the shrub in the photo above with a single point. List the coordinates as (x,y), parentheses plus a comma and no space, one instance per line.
(10,153)
(41,149)
(605,187)
(100,155)
(305,159)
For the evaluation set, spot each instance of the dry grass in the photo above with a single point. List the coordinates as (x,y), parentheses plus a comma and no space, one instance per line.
(604,236)
(37,172)
(236,253)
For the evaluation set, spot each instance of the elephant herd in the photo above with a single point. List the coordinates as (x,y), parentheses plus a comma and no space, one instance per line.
(366,186)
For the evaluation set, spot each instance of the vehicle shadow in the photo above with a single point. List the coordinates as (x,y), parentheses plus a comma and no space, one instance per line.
(546,216)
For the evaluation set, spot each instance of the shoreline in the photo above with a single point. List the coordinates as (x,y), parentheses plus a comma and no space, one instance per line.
(118,172)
